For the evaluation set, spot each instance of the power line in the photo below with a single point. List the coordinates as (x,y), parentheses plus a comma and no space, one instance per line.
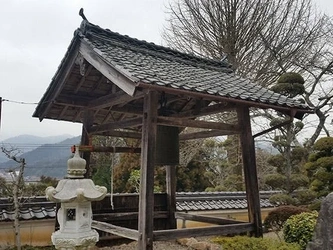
(19,102)
(22,145)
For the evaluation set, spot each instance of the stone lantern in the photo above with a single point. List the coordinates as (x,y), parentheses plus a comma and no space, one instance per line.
(75,214)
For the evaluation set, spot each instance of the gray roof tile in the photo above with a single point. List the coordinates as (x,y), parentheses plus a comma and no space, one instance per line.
(37,212)
(162,66)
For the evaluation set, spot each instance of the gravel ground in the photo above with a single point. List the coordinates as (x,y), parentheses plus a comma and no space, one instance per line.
(158,245)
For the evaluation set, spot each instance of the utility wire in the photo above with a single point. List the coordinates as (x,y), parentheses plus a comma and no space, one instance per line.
(20,102)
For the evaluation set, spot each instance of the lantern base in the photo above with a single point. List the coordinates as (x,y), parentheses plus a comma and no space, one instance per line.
(70,241)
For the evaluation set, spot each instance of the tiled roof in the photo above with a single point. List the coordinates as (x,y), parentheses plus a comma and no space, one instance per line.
(156,65)
(34,208)
(203,201)
(29,213)
(124,65)
(40,208)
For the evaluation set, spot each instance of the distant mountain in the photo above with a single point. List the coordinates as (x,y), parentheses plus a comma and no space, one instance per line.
(47,159)
(26,143)
(267,146)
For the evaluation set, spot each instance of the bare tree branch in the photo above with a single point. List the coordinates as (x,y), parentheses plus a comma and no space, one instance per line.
(262,40)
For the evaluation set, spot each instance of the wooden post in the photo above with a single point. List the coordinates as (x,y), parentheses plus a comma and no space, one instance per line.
(171,195)
(88,120)
(250,170)
(146,199)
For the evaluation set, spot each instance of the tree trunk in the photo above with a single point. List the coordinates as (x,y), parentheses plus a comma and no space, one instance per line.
(321,124)
(16,190)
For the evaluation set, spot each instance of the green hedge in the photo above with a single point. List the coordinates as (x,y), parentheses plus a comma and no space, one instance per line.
(299,228)
(278,216)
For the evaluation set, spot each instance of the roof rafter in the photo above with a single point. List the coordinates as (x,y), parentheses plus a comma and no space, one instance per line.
(208,110)
(113,99)
(83,78)
(59,80)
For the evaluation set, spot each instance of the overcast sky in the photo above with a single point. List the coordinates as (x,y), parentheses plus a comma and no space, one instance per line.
(34,36)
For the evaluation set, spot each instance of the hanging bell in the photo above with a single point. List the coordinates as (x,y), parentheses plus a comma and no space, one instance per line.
(167,145)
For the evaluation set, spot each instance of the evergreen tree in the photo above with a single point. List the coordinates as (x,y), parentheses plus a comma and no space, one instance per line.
(320,167)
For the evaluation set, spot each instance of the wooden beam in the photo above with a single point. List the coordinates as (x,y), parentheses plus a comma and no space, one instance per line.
(188,103)
(116,75)
(77,115)
(61,78)
(102,102)
(178,122)
(68,99)
(69,103)
(171,195)
(126,216)
(206,219)
(216,98)
(123,134)
(148,148)
(205,134)
(63,111)
(108,116)
(116,230)
(209,110)
(112,99)
(203,231)
(250,169)
(274,127)
(116,125)
(83,79)
(109,149)
(95,86)
(128,109)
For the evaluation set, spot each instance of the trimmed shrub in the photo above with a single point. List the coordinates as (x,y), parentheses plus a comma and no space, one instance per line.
(306,197)
(291,77)
(316,205)
(251,243)
(324,144)
(277,217)
(290,84)
(297,181)
(275,181)
(299,228)
(282,199)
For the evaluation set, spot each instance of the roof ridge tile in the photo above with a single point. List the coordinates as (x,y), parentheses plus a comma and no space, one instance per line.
(89,29)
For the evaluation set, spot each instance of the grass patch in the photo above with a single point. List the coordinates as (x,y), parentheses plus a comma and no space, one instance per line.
(251,243)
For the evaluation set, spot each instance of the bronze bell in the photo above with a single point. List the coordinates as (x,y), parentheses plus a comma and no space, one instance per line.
(167,145)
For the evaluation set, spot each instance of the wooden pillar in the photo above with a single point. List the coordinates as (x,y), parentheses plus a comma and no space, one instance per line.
(88,120)
(148,147)
(171,195)
(250,170)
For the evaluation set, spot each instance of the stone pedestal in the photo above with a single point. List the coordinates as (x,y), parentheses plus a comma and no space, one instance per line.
(69,241)
(75,215)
